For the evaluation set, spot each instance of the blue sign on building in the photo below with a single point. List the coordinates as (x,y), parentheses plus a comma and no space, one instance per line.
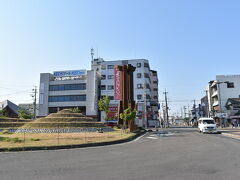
(69,73)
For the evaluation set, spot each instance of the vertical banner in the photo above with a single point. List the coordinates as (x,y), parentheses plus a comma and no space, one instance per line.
(118,84)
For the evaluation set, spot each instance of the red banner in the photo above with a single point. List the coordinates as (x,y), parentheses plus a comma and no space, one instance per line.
(113,111)
(117,84)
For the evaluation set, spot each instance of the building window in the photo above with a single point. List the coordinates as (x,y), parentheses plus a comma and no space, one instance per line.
(103,77)
(103,87)
(155,97)
(148,96)
(139,96)
(230,85)
(110,66)
(67,98)
(139,75)
(103,67)
(110,76)
(155,89)
(236,107)
(155,82)
(146,65)
(139,86)
(147,86)
(64,87)
(139,65)
(146,75)
(111,97)
(110,87)
(139,113)
(154,73)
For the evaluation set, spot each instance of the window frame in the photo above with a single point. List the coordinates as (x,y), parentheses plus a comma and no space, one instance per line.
(112,87)
(139,75)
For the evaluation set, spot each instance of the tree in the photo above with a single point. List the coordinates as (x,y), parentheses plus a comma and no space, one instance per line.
(76,110)
(3,113)
(103,105)
(24,114)
(128,115)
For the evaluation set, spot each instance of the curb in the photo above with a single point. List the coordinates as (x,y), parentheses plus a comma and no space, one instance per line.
(233,136)
(36,148)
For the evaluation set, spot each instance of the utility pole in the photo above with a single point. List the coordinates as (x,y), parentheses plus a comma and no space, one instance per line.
(34,91)
(166,104)
(164,116)
(207,105)
(195,111)
(181,112)
(185,115)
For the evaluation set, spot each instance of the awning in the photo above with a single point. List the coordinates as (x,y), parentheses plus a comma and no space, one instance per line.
(234,117)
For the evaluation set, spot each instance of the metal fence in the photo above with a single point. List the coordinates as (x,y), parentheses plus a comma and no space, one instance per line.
(15,135)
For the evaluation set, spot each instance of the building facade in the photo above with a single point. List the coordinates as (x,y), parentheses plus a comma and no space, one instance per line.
(145,88)
(83,89)
(219,91)
(69,89)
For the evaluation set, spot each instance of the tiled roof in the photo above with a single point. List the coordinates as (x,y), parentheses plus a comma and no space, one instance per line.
(9,104)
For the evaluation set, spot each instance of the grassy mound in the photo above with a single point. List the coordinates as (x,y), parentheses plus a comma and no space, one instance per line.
(64,119)
(9,120)
(6,122)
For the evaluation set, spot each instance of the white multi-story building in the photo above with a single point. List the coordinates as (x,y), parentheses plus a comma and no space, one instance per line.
(69,89)
(220,90)
(82,89)
(145,87)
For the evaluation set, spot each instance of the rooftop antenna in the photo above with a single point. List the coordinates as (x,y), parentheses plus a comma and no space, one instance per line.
(92,53)
(97,52)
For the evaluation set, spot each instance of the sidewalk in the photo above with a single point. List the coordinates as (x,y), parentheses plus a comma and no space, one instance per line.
(231,132)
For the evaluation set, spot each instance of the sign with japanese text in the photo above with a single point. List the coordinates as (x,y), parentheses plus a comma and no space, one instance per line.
(118,84)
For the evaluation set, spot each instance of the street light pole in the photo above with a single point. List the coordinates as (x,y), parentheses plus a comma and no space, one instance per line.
(207,108)
(145,106)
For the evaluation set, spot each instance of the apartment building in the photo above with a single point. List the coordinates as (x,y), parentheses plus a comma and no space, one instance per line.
(145,88)
(219,91)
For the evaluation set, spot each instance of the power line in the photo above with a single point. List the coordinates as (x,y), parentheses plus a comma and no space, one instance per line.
(18,92)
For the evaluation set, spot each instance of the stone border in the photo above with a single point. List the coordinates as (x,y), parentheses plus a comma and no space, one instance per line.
(72,146)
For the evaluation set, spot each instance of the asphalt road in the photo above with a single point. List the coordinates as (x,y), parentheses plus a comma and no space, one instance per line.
(183,154)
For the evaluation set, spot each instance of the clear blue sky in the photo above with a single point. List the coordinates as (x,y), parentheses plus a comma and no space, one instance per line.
(187,41)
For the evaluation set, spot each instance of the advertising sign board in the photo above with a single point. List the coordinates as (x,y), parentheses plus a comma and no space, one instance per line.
(70,73)
(118,84)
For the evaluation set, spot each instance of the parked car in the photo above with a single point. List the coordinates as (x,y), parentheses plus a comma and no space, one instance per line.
(207,125)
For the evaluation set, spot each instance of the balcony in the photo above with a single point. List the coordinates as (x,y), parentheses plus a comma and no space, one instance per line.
(215,103)
(214,94)
(214,84)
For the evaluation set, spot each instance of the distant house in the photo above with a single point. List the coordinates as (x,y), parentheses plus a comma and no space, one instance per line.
(233,107)
(11,108)
(29,107)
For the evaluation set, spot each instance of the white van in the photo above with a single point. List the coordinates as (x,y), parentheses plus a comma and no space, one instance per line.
(207,125)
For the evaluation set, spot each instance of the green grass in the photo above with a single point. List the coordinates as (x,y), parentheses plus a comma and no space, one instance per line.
(55,139)
(6,132)
(8,139)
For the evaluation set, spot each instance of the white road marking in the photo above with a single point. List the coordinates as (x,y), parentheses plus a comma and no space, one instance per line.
(152,137)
